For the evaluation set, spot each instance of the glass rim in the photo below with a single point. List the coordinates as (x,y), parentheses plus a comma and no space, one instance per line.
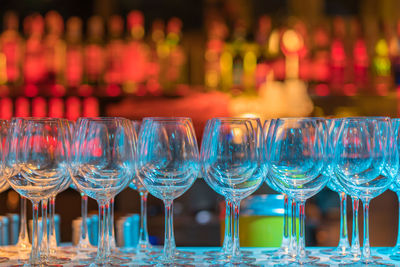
(384,118)
(300,119)
(101,118)
(36,119)
(166,119)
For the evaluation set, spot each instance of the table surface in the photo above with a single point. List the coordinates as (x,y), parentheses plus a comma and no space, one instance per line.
(261,259)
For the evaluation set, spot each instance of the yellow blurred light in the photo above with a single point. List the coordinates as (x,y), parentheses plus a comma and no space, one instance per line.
(237,135)
(163,50)
(226,62)
(382,48)
(212,79)
(3,69)
(137,32)
(292,41)
(249,62)
(273,43)
(249,115)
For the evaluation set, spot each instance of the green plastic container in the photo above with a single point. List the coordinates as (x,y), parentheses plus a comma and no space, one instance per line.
(261,221)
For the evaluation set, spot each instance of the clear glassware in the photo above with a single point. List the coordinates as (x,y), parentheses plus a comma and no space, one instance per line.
(395,187)
(36,163)
(284,251)
(297,160)
(226,249)
(56,256)
(366,162)
(4,185)
(23,246)
(143,245)
(343,248)
(168,164)
(103,164)
(233,166)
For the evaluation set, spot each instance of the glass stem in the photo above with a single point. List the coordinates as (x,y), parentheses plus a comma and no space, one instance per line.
(236,239)
(397,246)
(169,240)
(286,237)
(366,245)
(355,239)
(84,237)
(301,249)
(103,243)
(111,225)
(344,238)
(52,225)
(44,240)
(23,238)
(143,234)
(35,252)
(293,238)
(227,245)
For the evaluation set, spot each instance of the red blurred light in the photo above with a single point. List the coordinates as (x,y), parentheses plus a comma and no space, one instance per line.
(39,107)
(56,108)
(322,89)
(73,108)
(57,90)
(31,90)
(85,90)
(6,108)
(350,89)
(113,90)
(91,107)
(22,107)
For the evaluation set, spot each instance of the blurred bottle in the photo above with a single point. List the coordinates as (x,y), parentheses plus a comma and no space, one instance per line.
(262,37)
(238,47)
(34,61)
(114,56)
(217,33)
(381,65)
(320,68)
(55,52)
(94,55)
(338,56)
(156,52)
(11,45)
(74,55)
(173,63)
(360,58)
(136,56)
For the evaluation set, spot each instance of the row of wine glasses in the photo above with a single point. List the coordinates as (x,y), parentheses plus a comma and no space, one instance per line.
(295,156)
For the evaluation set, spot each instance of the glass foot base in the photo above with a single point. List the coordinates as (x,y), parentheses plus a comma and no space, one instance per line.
(53,260)
(336,252)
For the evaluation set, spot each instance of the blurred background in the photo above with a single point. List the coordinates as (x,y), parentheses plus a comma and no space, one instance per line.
(203,59)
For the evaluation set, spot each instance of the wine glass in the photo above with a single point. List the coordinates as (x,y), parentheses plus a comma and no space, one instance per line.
(103,162)
(233,166)
(36,163)
(168,164)
(366,162)
(288,244)
(52,247)
(343,247)
(227,242)
(23,246)
(395,187)
(297,160)
(343,253)
(4,126)
(143,245)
